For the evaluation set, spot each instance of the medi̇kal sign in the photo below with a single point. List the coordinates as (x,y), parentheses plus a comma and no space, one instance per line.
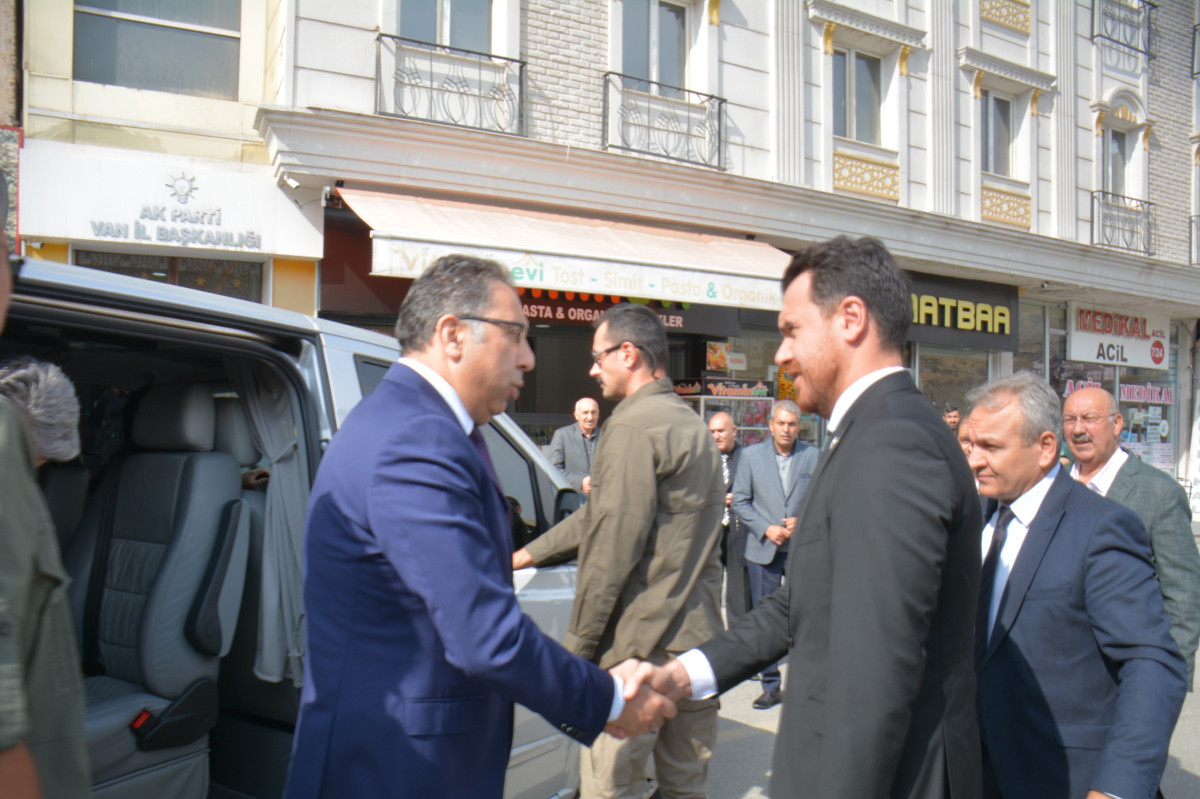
(1117,338)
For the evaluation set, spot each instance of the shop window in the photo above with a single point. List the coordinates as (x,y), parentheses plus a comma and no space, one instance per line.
(946,374)
(179,46)
(464,24)
(1148,404)
(240,279)
(996,133)
(1031,339)
(857,94)
(654,35)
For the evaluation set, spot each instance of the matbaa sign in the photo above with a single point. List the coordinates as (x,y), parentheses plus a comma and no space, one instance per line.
(1117,338)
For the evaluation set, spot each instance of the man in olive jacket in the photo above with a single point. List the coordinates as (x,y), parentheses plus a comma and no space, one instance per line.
(649,579)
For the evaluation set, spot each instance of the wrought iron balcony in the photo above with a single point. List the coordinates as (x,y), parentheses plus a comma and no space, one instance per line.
(1194,241)
(643,116)
(1123,22)
(1122,222)
(437,83)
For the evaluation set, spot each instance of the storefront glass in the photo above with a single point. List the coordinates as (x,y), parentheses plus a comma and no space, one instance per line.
(240,279)
(946,374)
(1147,400)
(1031,346)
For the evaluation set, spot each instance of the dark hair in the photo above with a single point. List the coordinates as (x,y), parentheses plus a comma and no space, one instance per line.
(641,327)
(950,409)
(454,284)
(863,268)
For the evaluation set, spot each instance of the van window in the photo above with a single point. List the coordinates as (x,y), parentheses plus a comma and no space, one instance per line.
(370,372)
(517,482)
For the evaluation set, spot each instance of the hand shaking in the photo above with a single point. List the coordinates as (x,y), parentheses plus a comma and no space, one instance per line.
(645,709)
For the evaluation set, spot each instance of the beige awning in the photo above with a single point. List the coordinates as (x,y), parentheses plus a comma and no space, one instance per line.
(572,254)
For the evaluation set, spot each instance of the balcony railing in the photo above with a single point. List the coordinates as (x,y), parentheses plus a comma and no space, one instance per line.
(1122,222)
(1194,241)
(422,80)
(642,116)
(1123,22)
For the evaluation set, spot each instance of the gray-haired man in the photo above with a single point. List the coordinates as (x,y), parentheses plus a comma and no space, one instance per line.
(767,491)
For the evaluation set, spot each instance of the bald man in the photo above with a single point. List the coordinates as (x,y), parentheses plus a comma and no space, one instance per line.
(572,447)
(1092,423)
(733,534)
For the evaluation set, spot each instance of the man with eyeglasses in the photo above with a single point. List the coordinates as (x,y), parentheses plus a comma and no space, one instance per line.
(649,580)
(417,648)
(1092,423)
(43,749)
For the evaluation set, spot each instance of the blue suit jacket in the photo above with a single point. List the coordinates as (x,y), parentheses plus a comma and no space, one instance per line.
(1081,683)
(760,499)
(416,645)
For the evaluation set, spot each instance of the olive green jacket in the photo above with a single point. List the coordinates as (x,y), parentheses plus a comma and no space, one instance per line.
(41,687)
(649,577)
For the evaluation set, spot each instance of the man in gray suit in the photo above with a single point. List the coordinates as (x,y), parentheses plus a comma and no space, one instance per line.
(573,446)
(1092,423)
(770,483)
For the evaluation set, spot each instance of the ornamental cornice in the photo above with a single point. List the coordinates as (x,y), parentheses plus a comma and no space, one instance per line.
(827,12)
(974,60)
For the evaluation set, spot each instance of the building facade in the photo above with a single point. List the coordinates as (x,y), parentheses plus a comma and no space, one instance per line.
(1033,164)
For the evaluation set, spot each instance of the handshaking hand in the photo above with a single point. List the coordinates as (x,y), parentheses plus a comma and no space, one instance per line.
(645,709)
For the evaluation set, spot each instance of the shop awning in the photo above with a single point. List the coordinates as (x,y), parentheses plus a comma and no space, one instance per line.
(571,254)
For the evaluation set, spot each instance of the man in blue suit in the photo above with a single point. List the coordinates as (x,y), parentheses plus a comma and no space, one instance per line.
(767,493)
(417,648)
(1080,683)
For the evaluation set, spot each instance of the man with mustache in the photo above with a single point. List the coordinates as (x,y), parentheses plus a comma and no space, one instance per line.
(1092,423)
(649,581)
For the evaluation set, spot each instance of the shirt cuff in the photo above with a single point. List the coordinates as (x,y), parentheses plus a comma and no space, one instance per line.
(700,673)
(618,703)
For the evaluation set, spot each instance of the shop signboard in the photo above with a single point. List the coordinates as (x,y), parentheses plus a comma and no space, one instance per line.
(544,307)
(121,200)
(963,313)
(1117,338)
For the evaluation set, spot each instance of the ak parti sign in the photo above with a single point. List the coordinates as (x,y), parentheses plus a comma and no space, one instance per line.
(1117,338)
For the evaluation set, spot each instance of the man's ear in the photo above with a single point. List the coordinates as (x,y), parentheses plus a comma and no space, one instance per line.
(853,319)
(1047,450)
(448,333)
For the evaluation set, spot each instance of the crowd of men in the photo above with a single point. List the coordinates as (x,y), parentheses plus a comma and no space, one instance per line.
(963,616)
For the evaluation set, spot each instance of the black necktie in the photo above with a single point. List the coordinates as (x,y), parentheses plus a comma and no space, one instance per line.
(987,581)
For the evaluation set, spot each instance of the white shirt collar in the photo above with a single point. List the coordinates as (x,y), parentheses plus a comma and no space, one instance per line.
(1026,506)
(1102,481)
(447,392)
(854,391)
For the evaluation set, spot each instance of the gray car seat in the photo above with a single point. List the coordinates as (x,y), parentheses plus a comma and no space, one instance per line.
(158,565)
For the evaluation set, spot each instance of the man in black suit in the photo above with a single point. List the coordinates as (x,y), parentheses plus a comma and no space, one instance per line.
(733,535)
(1080,682)
(877,612)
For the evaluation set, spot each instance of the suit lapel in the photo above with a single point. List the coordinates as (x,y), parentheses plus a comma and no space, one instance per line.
(1041,532)
(1122,485)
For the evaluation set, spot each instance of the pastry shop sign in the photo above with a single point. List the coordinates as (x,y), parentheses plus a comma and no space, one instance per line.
(1117,338)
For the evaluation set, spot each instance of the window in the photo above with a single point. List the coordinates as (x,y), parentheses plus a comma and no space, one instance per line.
(996,134)
(463,24)
(240,279)
(654,41)
(1115,160)
(180,46)
(856,96)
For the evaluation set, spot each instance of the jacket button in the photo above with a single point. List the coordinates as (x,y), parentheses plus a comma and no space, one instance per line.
(791,642)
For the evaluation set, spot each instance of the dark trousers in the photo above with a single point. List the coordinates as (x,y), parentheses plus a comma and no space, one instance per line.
(764,581)
(737,582)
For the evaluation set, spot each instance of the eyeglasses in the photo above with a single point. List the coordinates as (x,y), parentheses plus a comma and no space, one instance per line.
(522,329)
(15,262)
(1091,420)
(597,357)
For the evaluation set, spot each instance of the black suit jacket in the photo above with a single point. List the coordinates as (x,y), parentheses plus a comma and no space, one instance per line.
(877,614)
(1081,682)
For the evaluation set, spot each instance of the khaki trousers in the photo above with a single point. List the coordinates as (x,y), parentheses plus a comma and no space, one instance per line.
(614,769)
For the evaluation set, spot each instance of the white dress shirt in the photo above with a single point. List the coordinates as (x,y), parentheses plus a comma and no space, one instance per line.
(1024,508)
(1102,480)
(699,670)
(447,392)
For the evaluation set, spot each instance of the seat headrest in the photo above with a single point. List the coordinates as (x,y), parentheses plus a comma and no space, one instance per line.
(233,432)
(175,417)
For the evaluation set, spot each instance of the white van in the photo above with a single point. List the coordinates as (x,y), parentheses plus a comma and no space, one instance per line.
(198,599)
